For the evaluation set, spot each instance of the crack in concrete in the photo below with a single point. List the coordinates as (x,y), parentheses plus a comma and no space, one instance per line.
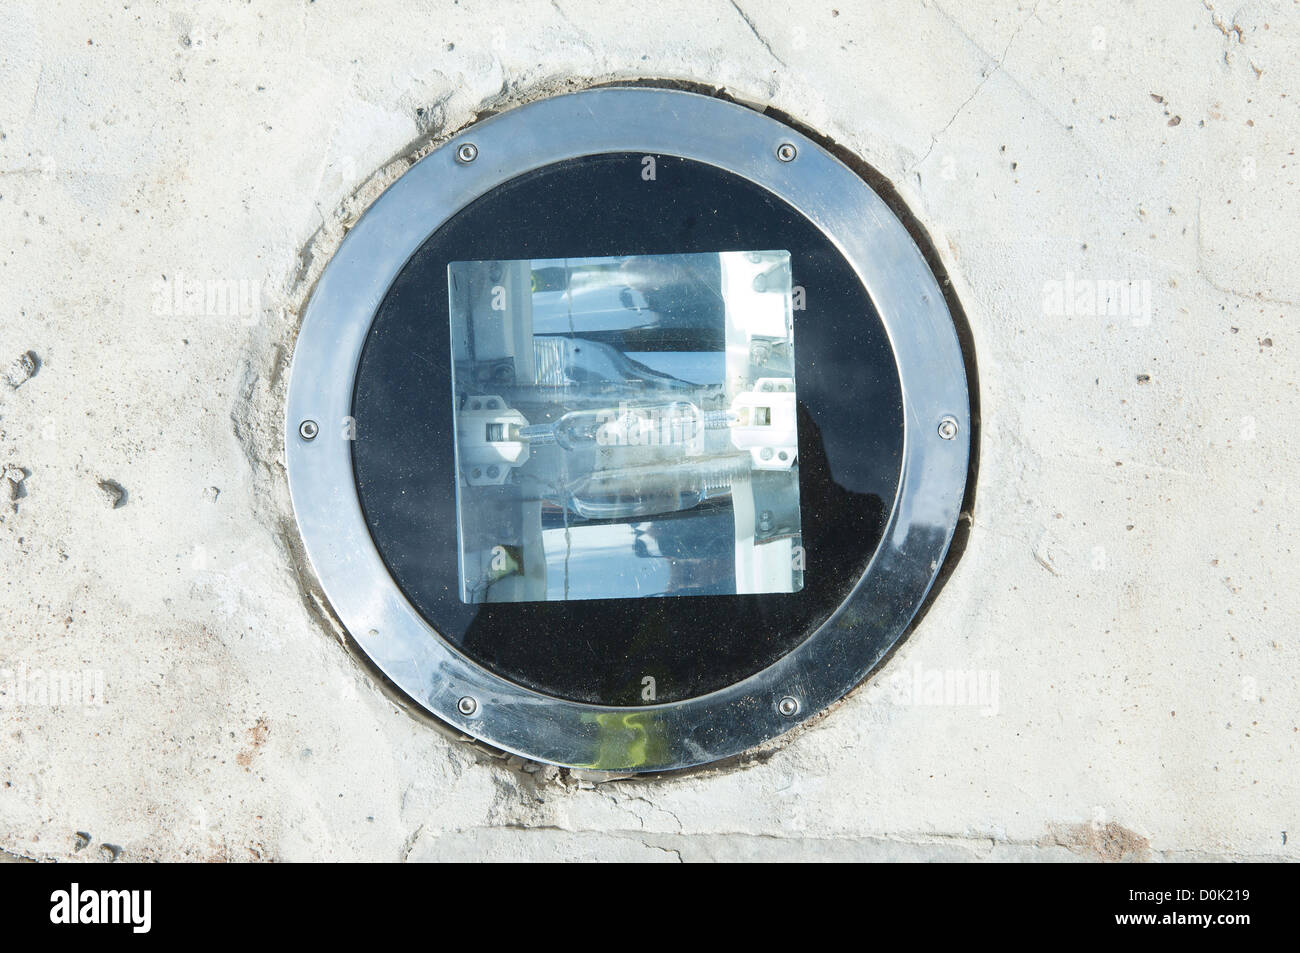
(758,36)
(997,65)
(624,804)
(409,844)
(1108,843)
(667,850)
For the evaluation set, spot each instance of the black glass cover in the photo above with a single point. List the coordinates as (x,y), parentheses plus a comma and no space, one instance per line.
(628,651)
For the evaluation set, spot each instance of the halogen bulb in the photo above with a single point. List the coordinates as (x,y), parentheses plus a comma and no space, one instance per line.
(673,424)
(664,469)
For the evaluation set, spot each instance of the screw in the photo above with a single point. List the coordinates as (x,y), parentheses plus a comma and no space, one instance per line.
(467,152)
(786,152)
(948,428)
(308,430)
(788,706)
(467,706)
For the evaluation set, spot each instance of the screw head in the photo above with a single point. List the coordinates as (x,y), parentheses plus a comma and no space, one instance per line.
(788,706)
(308,430)
(948,428)
(466,152)
(467,706)
(786,152)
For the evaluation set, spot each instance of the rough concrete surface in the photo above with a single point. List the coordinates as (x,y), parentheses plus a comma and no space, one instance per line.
(1128,590)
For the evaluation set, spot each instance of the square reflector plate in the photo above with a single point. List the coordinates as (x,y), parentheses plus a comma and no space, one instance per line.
(625,426)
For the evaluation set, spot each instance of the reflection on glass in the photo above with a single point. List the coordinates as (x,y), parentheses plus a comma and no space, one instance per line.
(625,427)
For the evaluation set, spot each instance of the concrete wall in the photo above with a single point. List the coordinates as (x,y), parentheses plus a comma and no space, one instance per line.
(1129,582)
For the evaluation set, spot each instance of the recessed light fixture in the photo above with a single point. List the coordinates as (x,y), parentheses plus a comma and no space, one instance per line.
(627,430)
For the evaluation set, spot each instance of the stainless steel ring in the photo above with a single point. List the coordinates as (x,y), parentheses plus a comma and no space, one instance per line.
(834,658)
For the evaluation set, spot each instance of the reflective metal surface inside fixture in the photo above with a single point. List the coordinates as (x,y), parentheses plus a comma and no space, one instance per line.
(629,434)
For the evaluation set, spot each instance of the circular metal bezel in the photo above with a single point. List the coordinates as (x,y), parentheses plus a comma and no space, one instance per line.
(855,636)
